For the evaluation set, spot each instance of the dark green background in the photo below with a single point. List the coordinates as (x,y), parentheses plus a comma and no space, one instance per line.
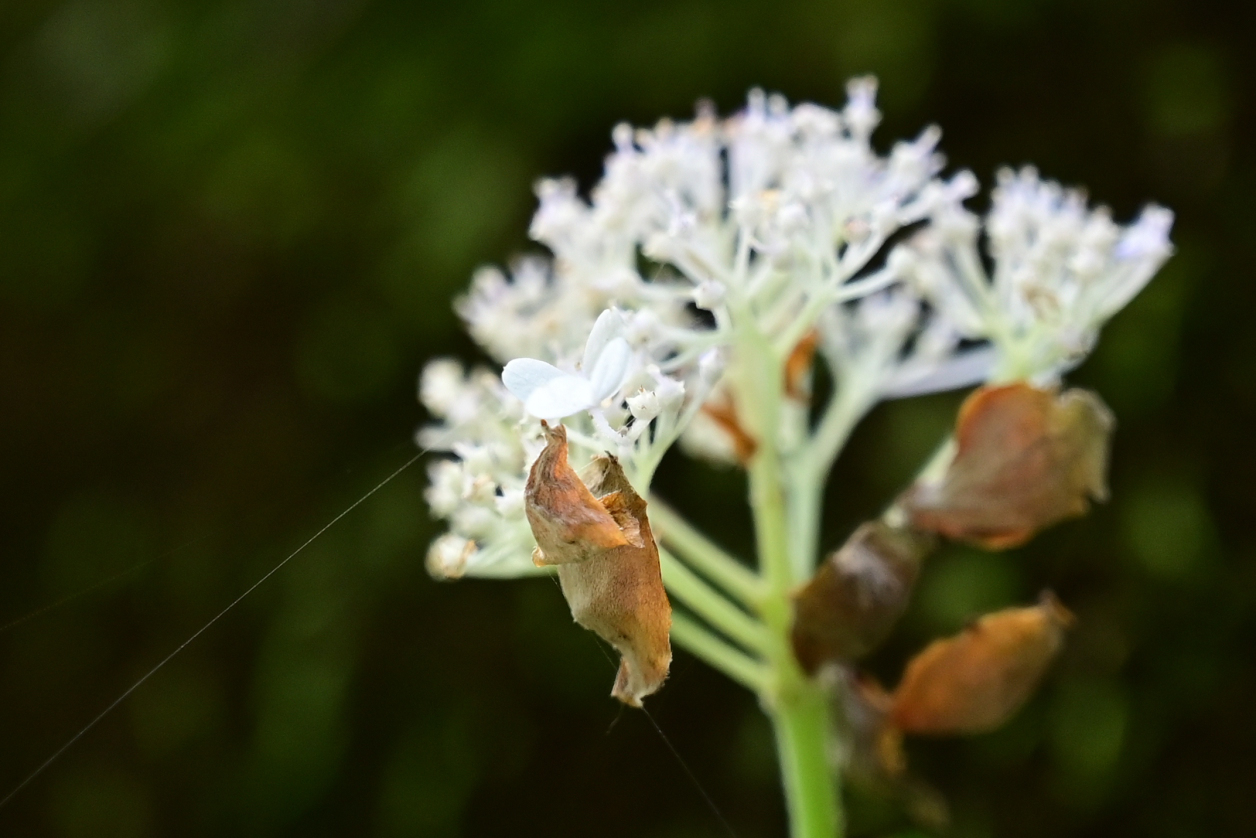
(229,237)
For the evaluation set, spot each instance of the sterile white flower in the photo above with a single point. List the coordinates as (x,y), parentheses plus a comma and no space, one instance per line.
(549,393)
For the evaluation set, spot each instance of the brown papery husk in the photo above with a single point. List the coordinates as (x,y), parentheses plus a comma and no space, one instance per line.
(568,522)
(613,585)
(975,681)
(1025,458)
(857,595)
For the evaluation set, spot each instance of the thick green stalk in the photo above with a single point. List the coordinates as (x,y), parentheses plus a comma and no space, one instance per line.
(808,471)
(795,704)
(802,735)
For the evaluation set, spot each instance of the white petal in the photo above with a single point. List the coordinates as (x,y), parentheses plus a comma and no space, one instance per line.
(560,397)
(523,375)
(611,367)
(609,325)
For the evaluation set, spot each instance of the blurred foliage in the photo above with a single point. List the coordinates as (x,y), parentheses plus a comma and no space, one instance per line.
(229,235)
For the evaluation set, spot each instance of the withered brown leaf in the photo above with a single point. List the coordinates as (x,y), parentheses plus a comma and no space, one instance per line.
(862,709)
(974,682)
(1025,458)
(857,595)
(608,562)
(568,522)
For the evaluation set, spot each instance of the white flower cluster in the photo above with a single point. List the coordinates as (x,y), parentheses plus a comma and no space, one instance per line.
(1059,271)
(480,489)
(775,221)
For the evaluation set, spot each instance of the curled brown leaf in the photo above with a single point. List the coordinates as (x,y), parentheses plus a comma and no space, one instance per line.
(568,522)
(608,562)
(1025,458)
(857,595)
(973,682)
(871,749)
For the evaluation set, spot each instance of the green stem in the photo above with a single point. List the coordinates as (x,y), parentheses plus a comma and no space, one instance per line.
(811,792)
(796,705)
(808,472)
(735,664)
(704,555)
(710,604)
(936,466)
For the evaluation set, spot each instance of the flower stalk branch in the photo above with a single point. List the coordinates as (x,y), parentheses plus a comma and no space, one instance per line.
(711,605)
(739,666)
(705,556)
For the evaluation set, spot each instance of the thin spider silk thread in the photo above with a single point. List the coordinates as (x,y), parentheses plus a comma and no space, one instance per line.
(99,583)
(693,778)
(126,693)
(83,731)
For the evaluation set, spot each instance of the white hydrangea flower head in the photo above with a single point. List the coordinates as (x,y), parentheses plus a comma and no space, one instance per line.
(775,221)
(1060,271)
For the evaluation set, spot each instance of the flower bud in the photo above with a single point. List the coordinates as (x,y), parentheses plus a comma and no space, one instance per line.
(711,366)
(709,294)
(644,405)
(440,385)
(670,392)
(448,556)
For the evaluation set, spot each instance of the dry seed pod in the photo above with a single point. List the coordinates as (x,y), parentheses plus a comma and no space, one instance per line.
(974,682)
(1025,459)
(857,595)
(612,582)
(871,748)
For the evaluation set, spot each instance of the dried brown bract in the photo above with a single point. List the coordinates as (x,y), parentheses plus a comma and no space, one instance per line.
(974,682)
(798,367)
(608,562)
(568,522)
(1025,459)
(875,747)
(857,595)
(724,414)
